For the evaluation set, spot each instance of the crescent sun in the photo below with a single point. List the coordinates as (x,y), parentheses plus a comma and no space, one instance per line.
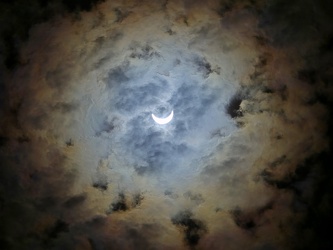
(163,120)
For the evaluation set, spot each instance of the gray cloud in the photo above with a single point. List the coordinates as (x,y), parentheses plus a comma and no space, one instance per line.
(193,228)
(243,164)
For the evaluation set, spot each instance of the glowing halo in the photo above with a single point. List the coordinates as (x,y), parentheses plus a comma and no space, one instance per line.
(163,120)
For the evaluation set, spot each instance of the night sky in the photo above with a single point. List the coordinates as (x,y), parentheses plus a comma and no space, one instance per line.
(245,163)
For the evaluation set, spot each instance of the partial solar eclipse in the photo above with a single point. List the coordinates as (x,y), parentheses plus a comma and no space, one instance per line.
(163,120)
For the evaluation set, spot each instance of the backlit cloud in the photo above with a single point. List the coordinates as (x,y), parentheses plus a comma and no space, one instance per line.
(242,163)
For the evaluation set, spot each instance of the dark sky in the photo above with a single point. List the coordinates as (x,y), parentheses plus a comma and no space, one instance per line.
(245,163)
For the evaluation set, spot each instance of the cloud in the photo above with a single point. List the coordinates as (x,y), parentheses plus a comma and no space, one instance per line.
(243,163)
(193,228)
(75,201)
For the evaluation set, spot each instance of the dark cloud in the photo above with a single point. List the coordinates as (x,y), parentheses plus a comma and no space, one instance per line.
(12,54)
(14,111)
(95,244)
(118,76)
(101,183)
(288,23)
(119,205)
(69,143)
(225,7)
(171,194)
(39,119)
(233,108)
(250,220)
(102,61)
(75,201)
(170,32)
(23,139)
(121,15)
(308,75)
(203,66)
(59,77)
(47,203)
(96,222)
(3,140)
(145,52)
(327,45)
(106,127)
(289,181)
(261,40)
(124,203)
(64,107)
(77,5)
(193,228)
(196,198)
(225,165)
(280,160)
(58,228)
(138,239)
(242,220)
(137,200)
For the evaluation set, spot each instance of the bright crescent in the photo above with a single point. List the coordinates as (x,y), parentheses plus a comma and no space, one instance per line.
(163,120)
